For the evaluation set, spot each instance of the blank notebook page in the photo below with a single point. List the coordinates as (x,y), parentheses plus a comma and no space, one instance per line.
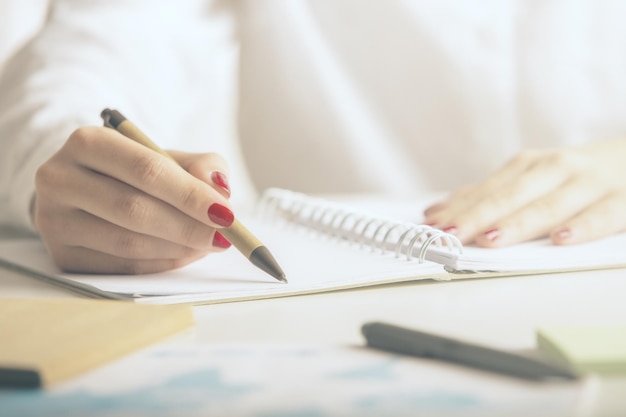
(312,262)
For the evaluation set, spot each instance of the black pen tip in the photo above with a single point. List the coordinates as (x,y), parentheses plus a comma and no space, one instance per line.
(263,259)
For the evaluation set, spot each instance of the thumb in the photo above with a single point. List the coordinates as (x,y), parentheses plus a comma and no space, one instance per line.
(209,167)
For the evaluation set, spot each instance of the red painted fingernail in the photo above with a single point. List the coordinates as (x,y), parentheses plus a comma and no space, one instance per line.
(221,180)
(563,234)
(219,241)
(450,229)
(221,215)
(492,234)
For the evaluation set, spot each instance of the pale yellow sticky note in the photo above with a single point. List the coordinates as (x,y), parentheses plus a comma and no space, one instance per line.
(588,349)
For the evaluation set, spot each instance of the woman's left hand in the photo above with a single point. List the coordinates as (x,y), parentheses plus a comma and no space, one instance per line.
(572,195)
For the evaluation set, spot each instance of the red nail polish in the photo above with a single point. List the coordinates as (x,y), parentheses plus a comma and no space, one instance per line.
(219,241)
(492,234)
(563,234)
(221,180)
(221,215)
(450,229)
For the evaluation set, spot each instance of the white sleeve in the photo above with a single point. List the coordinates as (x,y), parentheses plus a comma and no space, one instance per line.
(134,55)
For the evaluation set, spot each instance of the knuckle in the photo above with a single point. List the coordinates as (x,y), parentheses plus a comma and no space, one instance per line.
(47,177)
(132,246)
(81,138)
(190,195)
(148,169)
(133,208)
(190,235)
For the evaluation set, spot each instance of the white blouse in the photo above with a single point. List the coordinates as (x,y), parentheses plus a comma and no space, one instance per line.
(325,96)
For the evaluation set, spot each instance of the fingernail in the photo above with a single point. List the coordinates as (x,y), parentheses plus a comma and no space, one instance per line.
(563,234)
(221,215)
(492,234)
(221,180)
(450,229)
(219,241)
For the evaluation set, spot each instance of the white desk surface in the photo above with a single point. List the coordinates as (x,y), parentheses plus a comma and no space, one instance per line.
(500,311)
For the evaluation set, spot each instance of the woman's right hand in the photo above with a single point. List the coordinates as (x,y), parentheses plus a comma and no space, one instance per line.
(105,204)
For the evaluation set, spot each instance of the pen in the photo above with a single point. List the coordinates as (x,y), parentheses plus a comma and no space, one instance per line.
(416,343)
(237,233)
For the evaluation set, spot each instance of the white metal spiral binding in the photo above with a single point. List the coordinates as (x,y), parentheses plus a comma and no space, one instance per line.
(408,240)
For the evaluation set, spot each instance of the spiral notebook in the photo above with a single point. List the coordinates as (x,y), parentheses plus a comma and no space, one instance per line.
(323,245)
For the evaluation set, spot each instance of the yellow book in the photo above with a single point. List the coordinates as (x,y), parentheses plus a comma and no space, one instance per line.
(43,341)
(597,349)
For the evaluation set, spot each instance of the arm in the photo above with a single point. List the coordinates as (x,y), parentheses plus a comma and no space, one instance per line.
(88,56)
(143,213)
